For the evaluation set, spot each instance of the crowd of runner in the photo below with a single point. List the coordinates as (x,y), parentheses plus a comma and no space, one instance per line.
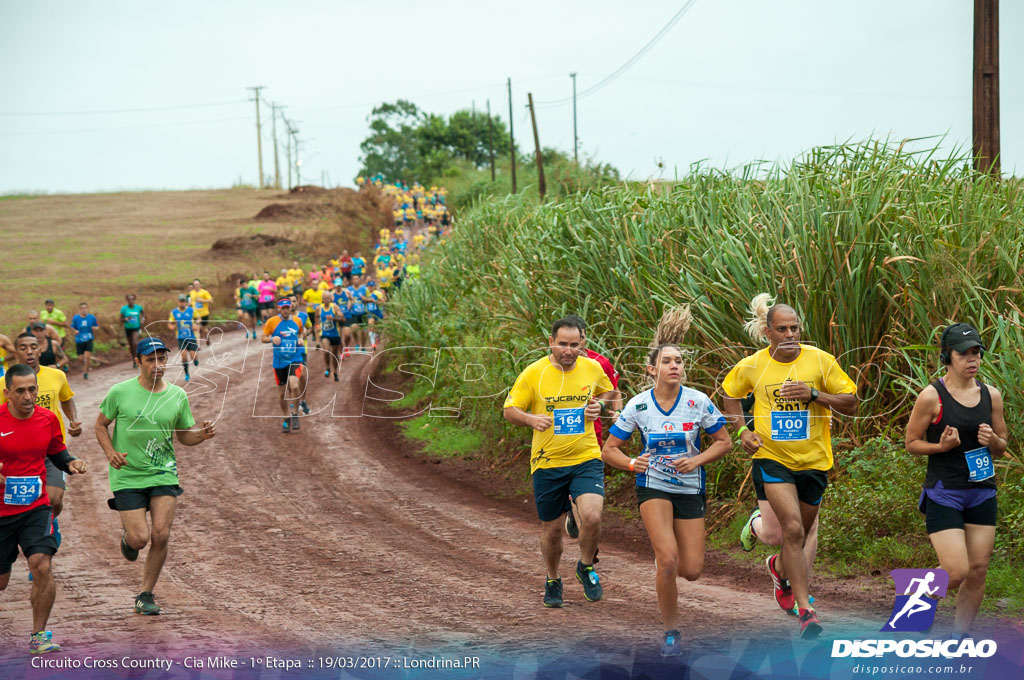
(335,306)
(777,405)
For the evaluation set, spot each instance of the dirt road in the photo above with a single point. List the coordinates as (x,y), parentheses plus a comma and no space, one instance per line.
(329,537)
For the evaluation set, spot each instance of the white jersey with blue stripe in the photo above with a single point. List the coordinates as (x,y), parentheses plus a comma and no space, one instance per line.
(669,435)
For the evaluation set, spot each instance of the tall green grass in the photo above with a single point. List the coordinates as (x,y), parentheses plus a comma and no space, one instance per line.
(877,247)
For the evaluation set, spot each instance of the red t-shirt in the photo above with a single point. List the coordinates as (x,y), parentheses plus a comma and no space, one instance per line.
(613,376)
(346,264)
(24,446)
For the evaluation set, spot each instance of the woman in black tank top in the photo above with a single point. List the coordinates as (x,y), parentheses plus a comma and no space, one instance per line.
(957,422)
(47,357)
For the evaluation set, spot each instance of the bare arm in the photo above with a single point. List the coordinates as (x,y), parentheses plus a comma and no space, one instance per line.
(926,409)
(115,458)
(518,416)
(195,437)
(994,436)
(71,411)
(750,440)
(611,453)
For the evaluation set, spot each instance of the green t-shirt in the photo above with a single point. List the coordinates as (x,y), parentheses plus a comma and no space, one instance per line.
(144,425)
(55,316)
(248,296)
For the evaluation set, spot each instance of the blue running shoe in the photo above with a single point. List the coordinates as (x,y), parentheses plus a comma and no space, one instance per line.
(672,645)
(286,426)
(553,592)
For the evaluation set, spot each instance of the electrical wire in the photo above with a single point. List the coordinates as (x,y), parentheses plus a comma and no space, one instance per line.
(152,109)
(629,62)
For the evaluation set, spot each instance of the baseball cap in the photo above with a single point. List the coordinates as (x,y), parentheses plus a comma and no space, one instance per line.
(961,337)
(149,345)
(371,282)
(284,302)
(182,298)
(37,326)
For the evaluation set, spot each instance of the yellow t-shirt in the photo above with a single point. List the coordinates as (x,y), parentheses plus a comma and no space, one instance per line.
(544,389)
(386,276)
(200,301)
(313,298)
(53,389)
(794,445)
(284,285)
(324,285)
(296,274)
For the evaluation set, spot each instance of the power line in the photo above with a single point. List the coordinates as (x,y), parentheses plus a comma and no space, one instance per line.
(127,127)
(152,109)
(629,62)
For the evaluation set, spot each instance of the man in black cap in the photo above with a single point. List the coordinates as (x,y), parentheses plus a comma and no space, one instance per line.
(147,414)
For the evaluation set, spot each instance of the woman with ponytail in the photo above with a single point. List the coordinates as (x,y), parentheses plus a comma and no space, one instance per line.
(669,472)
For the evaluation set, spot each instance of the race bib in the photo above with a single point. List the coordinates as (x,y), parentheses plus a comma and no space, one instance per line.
(22,490)
(979,464)
(791,426)
(569,420)
(84,336)
(199,304)
(288,346)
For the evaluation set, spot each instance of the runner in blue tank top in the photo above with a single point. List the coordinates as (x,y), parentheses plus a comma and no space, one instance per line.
(182,321)
(286,335)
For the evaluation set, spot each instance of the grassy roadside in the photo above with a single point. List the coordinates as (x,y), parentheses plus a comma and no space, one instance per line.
(879,248)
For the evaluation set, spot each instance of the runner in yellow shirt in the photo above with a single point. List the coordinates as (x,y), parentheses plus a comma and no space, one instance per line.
(796,388)
(200,300)
(285,285)
(297,276)
(559,396)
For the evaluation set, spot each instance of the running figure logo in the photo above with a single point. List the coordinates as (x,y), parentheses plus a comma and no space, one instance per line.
(914,610)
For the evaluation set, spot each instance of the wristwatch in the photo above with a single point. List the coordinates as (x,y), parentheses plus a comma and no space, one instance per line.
(814,394)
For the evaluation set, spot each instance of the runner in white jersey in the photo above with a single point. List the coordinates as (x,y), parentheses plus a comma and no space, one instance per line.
(670,490)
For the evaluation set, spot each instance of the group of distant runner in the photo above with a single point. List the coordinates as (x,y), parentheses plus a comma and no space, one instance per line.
(336,305)
(778,404)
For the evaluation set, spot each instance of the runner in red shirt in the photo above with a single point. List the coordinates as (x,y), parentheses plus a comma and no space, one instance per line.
(346,266)
(28,434)
(571,526)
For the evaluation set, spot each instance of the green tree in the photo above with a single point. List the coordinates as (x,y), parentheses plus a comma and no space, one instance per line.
(393,147)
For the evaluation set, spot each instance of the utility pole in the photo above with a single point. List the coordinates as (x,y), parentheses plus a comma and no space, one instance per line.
(298,161)
(986,87)
(511,136)
(541,186)
(288,150)
(277,165)
(490,136)
(259,136)
(575,138)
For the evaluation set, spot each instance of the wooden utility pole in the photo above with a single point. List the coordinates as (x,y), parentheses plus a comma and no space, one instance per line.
(575,138)
(511,136)
(288,152)
(986,86)
(259,136)
(541,186)
(277,164)
(490,137)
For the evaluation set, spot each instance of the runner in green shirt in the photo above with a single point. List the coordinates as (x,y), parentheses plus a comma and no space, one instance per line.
(55,318)
(147,413)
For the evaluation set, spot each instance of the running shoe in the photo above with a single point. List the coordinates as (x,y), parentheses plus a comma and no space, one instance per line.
(553,592)
(40,643)
(295,423)
(304,406)
(586,575)
(335,377)
(327,373)
(130,553)
(748,539)
(187,378)
(146,604)
(85,376)
(195,362)
(809,626)
(794,612)
(672,645)
(571,527)
(285,426)
(783,592)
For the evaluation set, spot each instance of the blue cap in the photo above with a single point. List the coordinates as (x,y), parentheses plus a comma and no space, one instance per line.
(149,345)
(284,302)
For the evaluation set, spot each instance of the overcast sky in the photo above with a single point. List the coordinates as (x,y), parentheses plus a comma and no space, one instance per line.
(733,81)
